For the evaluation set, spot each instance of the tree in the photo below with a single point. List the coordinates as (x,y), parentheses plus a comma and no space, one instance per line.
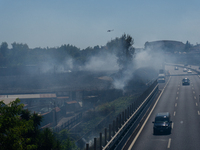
(187,46)
(19,130)
(3,48)
(3,52)
(13,128)
(123,49)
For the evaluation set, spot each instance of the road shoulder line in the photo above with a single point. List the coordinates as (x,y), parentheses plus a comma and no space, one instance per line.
(130,147)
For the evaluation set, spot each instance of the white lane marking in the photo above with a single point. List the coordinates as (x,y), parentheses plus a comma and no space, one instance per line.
(177,92)
(169,143)
(133,142)
(193,88)
(176,98)
(196,104)
(178,88)
(195,97)
(172,125)
(193,92)
(198,113)
(175,104)
(174,113)
(192,84)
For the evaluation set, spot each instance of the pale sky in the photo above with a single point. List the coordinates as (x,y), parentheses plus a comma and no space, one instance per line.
(84,23)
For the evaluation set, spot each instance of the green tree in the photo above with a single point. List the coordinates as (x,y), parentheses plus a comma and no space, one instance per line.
(14,129)
(123,49)
(19,129)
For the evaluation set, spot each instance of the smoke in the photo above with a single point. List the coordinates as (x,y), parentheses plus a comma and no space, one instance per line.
(149,58)
(102,62)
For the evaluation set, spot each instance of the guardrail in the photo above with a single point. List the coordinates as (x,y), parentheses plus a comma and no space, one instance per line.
(126,122)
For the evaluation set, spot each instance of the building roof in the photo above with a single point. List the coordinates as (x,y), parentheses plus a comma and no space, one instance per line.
(9,98)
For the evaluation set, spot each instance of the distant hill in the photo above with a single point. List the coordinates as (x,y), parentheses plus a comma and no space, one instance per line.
(165,45)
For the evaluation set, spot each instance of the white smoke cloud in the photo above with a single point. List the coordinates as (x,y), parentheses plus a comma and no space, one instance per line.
(102,62)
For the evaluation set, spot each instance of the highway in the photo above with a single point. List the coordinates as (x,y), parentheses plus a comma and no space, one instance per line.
(183,104)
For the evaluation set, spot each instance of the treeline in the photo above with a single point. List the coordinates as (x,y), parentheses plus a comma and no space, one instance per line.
(19,130)
(21,55)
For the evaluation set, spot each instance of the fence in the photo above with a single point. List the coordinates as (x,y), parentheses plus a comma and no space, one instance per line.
(128,119)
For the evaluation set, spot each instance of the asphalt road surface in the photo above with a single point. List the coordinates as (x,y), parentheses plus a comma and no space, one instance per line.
(183,104)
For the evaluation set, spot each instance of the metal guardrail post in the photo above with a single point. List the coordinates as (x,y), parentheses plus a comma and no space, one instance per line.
(110,128)
(100,144)
(113,127)
(105,136)
(132,108)
(128,112)
(95,143)
(117,123)
(87,146)
(123,117)
(120,120)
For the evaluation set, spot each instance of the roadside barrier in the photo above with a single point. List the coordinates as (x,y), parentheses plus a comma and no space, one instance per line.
(126,122)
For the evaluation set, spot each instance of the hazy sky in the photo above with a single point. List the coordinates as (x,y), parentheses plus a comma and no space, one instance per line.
(84,23)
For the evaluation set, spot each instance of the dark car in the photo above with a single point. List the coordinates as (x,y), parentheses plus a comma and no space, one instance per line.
(185,81)
(162,123)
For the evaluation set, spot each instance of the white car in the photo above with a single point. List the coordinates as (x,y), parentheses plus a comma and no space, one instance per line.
(185,70)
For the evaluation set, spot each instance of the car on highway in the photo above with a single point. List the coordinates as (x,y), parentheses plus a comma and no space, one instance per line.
(186,81)
(189,71)
(162,123)
(184,69)
(176,68)
(161,78)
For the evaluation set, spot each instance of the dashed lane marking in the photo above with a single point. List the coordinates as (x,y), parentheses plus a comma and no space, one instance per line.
(169,143)
(174,113)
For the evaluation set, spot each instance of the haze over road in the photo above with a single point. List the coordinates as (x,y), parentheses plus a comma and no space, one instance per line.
(183,104)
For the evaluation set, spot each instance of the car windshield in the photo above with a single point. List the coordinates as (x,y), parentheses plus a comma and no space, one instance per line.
(161,120)
(185,80)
